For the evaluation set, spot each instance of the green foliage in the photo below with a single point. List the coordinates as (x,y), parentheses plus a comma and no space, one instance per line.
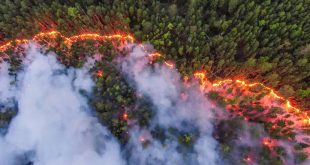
(261,41)
(185,139)
(72,11)
(300,157)
(6,115)
(213,95)
(266,156)
(304,93)
(225,148)
(264,41)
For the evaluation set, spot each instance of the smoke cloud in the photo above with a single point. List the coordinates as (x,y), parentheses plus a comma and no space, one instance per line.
(5,87)
(179,107)
(53,124)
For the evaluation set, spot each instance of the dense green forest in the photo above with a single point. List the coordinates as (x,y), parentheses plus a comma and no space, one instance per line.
(256,40)
(116,103)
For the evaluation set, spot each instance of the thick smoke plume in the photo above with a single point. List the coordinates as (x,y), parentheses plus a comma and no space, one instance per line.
(176,106)
(53,124)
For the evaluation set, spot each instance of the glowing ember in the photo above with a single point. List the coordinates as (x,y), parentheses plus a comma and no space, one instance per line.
(99,73)
(155,55)
(169,64)
(222,82)
(268,142)
(201,75)
(272,94)
(125,116)
(247,159)
(69,40)
(185,78)
(142,139)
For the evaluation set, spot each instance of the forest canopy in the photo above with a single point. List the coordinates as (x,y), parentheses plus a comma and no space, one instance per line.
(263,41)
(256,40)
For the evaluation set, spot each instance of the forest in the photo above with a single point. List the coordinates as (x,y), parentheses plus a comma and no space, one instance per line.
(263,41)
(257,40)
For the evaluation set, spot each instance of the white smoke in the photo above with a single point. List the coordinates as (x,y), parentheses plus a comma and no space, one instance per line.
(5,87)
(53,124)
(163,86)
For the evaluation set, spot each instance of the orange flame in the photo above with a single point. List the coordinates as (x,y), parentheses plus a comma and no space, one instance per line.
(125,116)
(267,142)
(169,64)
(99,73)
(247,159)
(155,55)
(201,75)
(142,139)
(69,40)
(152,56)
(272,94)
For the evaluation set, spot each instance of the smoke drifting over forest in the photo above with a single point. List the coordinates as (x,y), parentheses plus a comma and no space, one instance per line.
(176,107)
(55,124)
